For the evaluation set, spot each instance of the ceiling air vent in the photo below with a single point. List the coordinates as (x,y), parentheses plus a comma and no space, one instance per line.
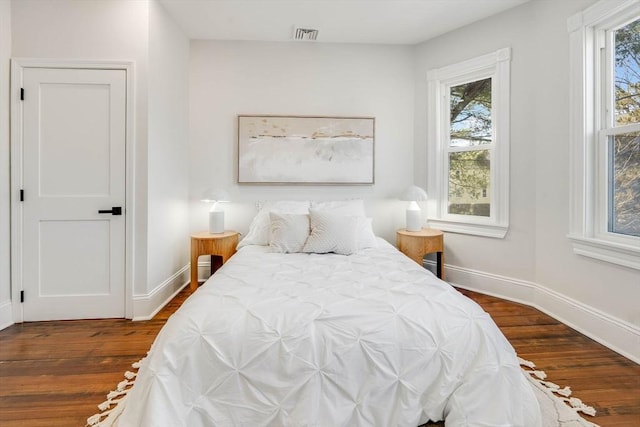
(305,34)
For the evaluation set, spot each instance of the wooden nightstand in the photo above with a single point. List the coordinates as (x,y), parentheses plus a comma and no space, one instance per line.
(205,243)
(415,244)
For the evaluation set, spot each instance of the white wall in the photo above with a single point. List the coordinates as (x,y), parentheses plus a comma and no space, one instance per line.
(6,317)
(231,78)
(99,30)
(168,173)
(536,252)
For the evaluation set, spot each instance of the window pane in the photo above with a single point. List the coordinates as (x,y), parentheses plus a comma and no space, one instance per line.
(469,173)
(624,200)
(627,74)
(470,114)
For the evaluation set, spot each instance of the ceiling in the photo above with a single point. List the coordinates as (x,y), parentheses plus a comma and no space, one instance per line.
(338,21)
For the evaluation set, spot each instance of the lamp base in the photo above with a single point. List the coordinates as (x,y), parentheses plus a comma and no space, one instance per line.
(413,220)
(216,222)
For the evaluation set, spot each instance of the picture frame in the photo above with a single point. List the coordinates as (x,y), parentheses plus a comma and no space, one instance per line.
(310,150)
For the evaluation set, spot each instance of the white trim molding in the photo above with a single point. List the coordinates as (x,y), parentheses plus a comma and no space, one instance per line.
(615,253)
(147,306)
(6,314)
(616,334)
(495,65)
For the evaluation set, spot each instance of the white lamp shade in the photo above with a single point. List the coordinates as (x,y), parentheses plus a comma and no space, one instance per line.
(216,222)
(215,195)
(414,193)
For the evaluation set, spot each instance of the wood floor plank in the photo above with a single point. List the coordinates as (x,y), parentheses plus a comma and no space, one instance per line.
(56,373)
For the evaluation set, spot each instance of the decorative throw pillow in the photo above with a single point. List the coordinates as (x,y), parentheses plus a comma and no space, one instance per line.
(260,228)
(289,232)
(332,233)
(353,207)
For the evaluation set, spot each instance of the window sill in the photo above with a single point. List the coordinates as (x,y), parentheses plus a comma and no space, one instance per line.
(484,230)
(615,253)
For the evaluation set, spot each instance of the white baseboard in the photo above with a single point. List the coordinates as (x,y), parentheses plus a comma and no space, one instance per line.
(144,306)
(6,314)
(204,270)
(491,284)
(619,336)
(147,306)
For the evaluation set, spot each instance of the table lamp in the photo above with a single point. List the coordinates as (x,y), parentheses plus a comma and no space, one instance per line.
(216,214)
(414,194)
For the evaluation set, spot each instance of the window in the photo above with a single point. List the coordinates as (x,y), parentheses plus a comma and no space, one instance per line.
(605,132)
(469,145)
(469,148)
(620,129)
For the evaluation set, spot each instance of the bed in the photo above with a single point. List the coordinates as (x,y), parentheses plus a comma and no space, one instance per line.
(280,336)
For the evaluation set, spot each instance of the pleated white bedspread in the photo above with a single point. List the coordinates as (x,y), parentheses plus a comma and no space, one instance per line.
(370,339)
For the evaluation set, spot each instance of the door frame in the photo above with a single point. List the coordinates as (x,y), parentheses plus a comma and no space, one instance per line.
(18,65)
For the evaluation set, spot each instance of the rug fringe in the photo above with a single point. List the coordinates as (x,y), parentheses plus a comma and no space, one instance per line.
(563,393)
(115,398)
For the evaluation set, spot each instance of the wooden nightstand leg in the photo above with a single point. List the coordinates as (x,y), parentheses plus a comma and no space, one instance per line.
(194,271)
(216,263)
(440,265)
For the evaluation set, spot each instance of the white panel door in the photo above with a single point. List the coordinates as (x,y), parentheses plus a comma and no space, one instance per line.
(73,167)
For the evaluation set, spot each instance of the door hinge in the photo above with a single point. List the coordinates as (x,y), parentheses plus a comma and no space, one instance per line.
(22,195)
(21,94)
(21,296)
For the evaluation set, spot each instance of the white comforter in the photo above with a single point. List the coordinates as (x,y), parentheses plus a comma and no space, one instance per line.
(370,339)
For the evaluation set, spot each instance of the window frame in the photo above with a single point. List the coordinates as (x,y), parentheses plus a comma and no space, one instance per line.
(495,65)
(591,70)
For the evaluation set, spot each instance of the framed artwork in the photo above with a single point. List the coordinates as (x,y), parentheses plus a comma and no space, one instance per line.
(305,150)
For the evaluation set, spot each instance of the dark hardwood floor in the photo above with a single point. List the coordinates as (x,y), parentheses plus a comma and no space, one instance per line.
(56,373)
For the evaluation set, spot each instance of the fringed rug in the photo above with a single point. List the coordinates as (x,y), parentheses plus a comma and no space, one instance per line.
(557,407)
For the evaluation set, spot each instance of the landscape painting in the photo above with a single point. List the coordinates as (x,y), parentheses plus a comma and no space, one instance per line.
(305,150)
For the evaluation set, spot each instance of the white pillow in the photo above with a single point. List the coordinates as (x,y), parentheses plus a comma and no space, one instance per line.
(332,233)
(366,237)
(260,228)
(289,232)
(353,207)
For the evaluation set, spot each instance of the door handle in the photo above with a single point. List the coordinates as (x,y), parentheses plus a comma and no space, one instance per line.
(116,210)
